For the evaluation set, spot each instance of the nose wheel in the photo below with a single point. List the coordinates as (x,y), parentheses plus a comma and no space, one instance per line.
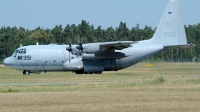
(25,72)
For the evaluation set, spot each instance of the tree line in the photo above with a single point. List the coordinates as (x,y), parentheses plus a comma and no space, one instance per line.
(12,37)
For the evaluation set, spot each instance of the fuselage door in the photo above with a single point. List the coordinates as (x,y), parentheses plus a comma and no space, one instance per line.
(38,64)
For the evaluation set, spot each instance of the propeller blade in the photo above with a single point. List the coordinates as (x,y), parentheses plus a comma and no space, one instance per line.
(80,45)
(69,48)
(69,57)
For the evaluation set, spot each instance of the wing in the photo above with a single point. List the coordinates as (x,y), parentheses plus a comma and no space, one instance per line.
(107,46)
(116,45)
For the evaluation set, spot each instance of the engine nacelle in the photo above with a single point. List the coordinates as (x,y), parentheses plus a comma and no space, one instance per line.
(91,48)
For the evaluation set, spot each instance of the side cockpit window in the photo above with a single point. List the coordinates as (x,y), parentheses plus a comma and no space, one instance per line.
(18,53)
(15,53)
(21,51)
(24,51)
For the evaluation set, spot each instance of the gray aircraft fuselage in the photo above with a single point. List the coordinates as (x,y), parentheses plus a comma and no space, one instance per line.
(37,58)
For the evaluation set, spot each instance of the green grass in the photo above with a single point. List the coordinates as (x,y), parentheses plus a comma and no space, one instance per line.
(137,88)
(93,87)
(160,74)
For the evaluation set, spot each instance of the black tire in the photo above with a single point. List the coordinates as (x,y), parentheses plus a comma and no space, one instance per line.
(25,72)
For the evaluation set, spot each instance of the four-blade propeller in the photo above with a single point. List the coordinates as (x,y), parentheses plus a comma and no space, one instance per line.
(78,50)
(69,49)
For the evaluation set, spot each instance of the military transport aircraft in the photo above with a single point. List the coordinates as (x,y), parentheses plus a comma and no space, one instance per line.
(105,56)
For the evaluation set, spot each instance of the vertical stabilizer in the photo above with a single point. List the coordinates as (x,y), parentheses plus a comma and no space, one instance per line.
(170,30)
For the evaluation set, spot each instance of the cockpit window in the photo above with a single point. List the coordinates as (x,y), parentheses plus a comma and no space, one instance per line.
(21,51)
(16,51)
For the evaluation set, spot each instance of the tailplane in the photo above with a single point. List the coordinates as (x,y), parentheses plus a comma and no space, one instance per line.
(170,30)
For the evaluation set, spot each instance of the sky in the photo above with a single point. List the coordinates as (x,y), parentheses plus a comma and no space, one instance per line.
(31,14)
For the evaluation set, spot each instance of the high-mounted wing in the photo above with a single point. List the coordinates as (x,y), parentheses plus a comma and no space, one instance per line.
(104,46)
(116,45)
(99,47)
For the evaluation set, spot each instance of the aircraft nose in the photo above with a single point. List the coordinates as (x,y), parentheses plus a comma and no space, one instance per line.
(7,61)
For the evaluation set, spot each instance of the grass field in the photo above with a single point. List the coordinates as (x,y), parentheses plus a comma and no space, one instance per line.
(137,88)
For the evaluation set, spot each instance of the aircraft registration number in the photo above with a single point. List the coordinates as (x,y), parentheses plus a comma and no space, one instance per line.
(26,57)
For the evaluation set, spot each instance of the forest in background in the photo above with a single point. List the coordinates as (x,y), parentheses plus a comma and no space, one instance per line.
(12,37)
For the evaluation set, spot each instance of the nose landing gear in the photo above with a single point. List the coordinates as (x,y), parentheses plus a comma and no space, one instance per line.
(25,72)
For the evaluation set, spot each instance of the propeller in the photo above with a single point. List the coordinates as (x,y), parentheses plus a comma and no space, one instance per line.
(78,51)
(80,46)
(69,49)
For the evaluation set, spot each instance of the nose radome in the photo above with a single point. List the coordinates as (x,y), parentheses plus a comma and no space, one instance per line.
(7,61)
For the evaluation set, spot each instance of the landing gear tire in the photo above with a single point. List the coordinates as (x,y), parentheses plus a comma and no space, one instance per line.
(97,72)
(79,72)
(25,72)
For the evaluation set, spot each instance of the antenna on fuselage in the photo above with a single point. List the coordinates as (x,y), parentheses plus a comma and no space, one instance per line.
(37,43)
(21,45)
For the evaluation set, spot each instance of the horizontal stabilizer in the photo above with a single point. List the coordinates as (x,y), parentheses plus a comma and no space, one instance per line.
(181,46)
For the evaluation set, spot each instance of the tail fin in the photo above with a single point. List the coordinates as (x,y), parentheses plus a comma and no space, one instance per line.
(170,30)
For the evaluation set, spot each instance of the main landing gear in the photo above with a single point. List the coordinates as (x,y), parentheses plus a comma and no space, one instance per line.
(82,72)
(25,72)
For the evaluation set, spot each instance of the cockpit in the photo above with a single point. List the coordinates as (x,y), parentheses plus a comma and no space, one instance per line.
(20,54)
(21,51)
